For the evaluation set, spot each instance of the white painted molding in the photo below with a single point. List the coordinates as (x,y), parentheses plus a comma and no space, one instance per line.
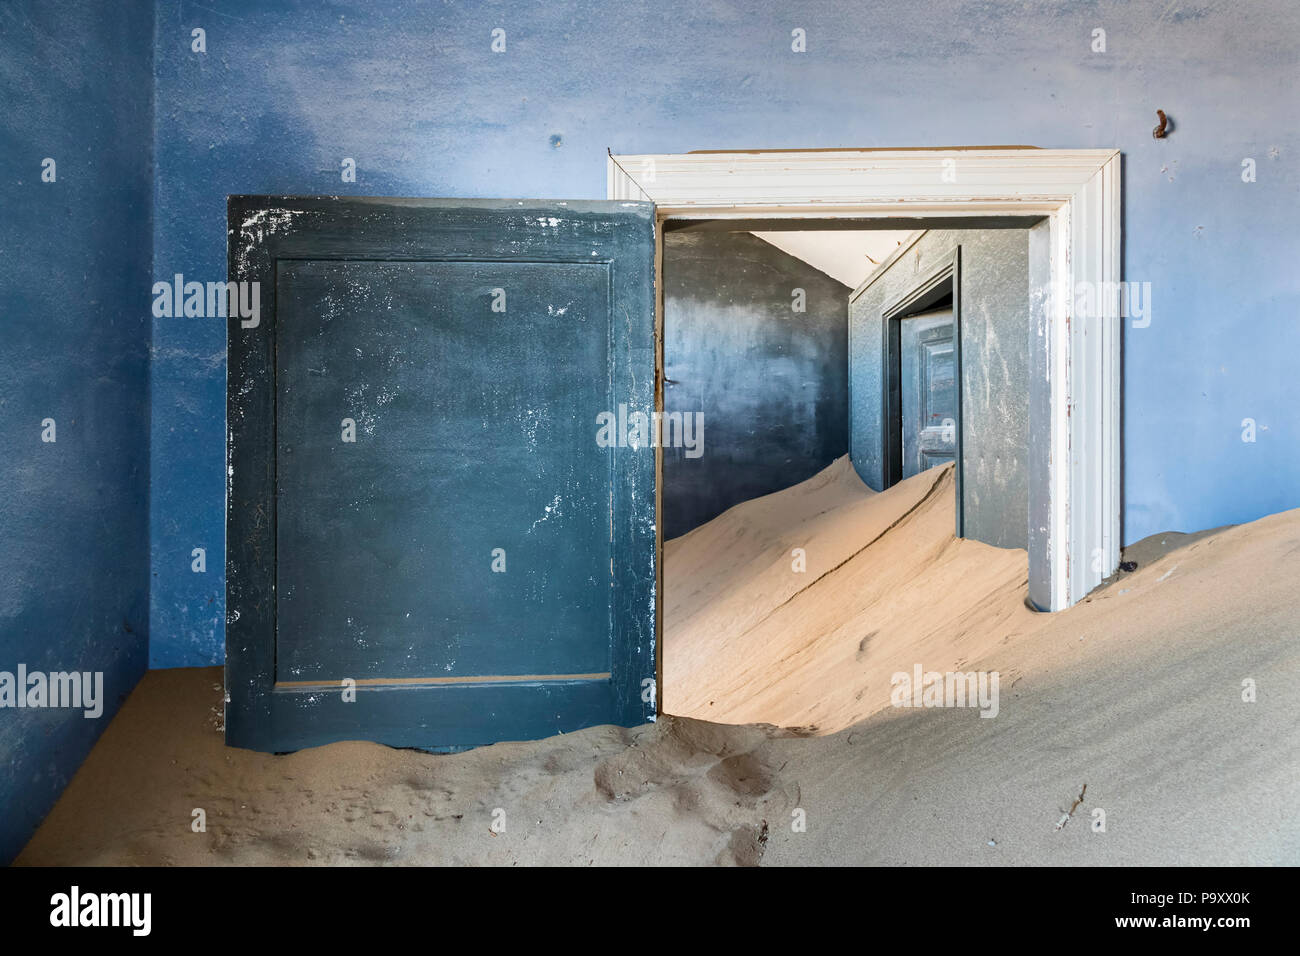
(1079,193)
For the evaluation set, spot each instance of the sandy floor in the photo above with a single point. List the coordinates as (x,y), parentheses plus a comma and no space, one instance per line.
(885,585)
(1136,693)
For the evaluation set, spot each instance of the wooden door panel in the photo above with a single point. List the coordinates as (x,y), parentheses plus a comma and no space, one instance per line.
(417,405)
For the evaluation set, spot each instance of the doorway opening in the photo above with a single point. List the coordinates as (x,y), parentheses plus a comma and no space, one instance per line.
(819,519)
(1070,201)
(922,393)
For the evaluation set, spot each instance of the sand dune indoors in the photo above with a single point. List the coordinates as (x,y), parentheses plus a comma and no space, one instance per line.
(749,639)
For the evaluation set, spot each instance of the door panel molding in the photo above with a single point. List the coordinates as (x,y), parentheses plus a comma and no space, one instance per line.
(1075,355)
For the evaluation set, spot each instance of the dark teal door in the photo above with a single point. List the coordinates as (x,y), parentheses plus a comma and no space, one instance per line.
(431,542)
(928,390)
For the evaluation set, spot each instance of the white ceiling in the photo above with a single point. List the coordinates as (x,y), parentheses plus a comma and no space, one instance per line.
(847,255)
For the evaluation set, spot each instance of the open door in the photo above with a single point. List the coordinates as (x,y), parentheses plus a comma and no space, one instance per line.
(928,393)
(430,540)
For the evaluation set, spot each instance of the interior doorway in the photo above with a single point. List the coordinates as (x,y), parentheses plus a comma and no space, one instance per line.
(1074,481)
(1071,199)
(928,422)
(808,521)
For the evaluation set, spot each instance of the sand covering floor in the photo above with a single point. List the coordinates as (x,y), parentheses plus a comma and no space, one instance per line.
(886,584)
(1136,692)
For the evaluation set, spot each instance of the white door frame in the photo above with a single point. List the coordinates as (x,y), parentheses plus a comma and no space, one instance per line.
(1076,316)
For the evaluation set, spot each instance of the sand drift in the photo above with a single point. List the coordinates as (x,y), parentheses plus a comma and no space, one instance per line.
(885,587)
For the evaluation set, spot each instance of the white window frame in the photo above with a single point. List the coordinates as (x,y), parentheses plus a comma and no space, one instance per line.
(1078,191)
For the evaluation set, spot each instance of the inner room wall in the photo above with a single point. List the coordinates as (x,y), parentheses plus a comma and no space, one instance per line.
(772,383)
(994,372)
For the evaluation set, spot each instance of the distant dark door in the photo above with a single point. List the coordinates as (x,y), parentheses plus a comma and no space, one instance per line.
(429,543)
(928,390)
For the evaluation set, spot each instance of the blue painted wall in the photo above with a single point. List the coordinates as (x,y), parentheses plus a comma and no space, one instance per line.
(74,284)
(412,92)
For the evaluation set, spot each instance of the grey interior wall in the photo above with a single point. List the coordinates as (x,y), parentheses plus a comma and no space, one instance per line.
(772,383)
(994,373)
